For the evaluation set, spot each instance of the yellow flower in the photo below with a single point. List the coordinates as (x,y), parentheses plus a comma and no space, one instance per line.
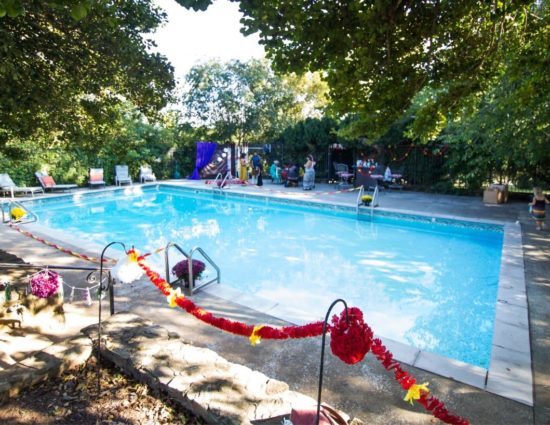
(254,337)
(173,296)
(18,213)
(133,255)
(415,392)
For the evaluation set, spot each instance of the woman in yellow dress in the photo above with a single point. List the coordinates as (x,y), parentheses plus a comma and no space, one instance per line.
(243,168)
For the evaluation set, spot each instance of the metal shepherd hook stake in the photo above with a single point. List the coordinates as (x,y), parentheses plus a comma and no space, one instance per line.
(102,288)
(323,354)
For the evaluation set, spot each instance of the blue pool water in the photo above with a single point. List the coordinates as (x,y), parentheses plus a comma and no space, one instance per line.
(429,285)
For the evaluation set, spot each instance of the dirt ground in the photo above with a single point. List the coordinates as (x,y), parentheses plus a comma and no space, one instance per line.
(73,399)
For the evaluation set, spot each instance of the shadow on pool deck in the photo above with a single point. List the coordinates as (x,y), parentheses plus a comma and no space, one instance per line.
(365,390)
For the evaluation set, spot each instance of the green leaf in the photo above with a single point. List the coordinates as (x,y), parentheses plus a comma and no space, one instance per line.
(79,11)
(14,8)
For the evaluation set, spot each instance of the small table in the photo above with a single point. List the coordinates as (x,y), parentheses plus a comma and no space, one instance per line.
(344,179)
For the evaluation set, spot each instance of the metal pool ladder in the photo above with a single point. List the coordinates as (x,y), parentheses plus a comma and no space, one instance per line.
(11,204)
(374,202)
(189,256)
(223,180)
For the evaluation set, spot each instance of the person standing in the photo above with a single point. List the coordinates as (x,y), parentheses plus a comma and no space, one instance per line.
(538,206)
(259,178)
(243,168)
(275,172)
(256,164)
(309,174)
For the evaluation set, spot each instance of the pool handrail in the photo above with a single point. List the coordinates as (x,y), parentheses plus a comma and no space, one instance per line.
(359,201)
(375,197)
(189,257)
(224,180)
(33,217)
(192,287)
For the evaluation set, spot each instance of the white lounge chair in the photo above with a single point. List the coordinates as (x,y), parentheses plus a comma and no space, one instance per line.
(8,186)
(48,183)
(146,174)
(121,175)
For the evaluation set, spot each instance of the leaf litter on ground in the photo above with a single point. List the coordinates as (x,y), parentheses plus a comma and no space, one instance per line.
(73,398)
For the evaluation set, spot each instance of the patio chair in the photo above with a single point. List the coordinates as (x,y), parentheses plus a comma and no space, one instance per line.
(8,186)
(397,181)
(121,175)
(48,183)
(95,178)
(146,174)
(342,171)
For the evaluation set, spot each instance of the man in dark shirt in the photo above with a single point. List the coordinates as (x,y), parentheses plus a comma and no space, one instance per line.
(256,163)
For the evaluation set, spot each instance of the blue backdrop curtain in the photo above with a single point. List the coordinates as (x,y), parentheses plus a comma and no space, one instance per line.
(205,152)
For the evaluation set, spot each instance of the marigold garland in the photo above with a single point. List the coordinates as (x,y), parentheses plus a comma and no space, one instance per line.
(254,337)
(237,328)
(353,340)
(415,392)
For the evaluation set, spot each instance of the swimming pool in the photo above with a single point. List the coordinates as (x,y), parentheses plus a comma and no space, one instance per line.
(429,285)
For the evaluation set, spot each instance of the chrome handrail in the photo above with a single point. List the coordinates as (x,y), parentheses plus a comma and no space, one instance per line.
(212,263)
(374,202)
(224,180)
(218,176)
(167,260)
(359,196)
(189,257)
(228,175)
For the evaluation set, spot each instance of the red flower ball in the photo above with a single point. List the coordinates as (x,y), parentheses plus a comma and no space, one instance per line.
(350,341)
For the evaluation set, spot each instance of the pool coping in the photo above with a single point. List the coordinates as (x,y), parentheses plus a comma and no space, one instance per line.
(509,374)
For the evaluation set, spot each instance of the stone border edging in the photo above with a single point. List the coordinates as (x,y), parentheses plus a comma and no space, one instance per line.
(196,378)
(47,363)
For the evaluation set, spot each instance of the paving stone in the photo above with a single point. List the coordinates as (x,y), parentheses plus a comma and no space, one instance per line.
(199,379)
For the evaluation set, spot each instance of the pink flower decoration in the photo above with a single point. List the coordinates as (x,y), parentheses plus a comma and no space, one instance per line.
(45,284)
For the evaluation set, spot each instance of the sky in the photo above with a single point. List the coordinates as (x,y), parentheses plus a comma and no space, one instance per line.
(192,37)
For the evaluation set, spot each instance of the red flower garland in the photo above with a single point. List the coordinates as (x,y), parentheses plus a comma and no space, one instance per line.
(237,328)
(349,342)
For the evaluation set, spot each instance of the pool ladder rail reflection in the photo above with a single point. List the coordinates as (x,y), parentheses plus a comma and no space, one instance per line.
(189,256)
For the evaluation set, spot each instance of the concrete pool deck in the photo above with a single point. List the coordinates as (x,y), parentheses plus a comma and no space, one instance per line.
(366,390)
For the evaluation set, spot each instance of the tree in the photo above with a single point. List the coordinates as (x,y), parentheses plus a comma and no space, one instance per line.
(53,66)
(239,102)
(310,136)
(378,54)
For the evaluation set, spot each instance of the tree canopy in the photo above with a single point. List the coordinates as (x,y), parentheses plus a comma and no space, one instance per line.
(53,67)
(245,102)
(377,55)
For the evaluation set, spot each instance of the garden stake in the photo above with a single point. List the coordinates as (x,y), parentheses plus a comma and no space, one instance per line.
(323,354)
(101,288)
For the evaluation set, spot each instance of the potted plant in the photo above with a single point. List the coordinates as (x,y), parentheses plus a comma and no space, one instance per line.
(366,199)
(181,270)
